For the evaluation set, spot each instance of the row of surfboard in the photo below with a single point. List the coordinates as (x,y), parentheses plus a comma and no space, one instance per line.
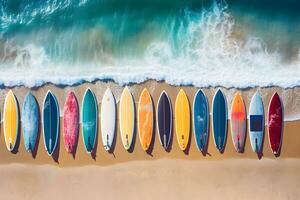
(145,121)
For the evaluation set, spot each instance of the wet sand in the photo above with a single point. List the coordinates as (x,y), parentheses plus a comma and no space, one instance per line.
(232,174)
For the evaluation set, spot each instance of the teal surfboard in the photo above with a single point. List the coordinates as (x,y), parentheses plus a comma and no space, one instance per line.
(89,115)
(30,121)
(219,116)
(50,122)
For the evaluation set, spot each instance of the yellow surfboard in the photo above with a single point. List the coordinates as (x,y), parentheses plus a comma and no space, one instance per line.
(182,119)
(126,115)
(10,120)
(145,119)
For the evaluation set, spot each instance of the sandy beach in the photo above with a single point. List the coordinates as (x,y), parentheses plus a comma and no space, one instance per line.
(159,179)
(173,174)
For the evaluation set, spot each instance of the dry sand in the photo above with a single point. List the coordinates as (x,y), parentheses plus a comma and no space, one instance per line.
(174,174)
(159,179)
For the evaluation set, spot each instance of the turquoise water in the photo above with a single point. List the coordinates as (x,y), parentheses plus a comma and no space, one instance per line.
(198,42)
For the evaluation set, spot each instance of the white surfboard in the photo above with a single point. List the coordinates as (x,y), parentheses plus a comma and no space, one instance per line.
(108,119)
(256,123)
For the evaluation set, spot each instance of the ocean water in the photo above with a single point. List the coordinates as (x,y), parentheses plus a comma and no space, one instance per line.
(234,43)
(193,42)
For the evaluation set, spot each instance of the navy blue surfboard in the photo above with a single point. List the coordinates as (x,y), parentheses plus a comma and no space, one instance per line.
(219,116)
(50,122)
(164,120)
(201,120)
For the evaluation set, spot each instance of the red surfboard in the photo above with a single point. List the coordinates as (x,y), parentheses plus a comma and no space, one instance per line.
(275,123)
(70,122)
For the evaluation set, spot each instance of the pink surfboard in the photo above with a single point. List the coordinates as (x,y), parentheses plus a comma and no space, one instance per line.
(275,123)
(70,122)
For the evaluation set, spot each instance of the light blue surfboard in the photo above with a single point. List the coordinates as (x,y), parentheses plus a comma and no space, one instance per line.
(201,120)
(256,122)
(30,121)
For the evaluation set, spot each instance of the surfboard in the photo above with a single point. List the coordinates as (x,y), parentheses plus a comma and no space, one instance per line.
(108,119)
(145,119)
(201,120)
(10,120)
(182,119)
(275,123)
(219,116)
(50,122)
(89,117)
(30,121)
(256,123)
(164,120)
(70,122)
(238,122)
(126,118)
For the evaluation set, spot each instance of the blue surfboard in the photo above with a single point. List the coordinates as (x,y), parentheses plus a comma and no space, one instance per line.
(89,116)
(50,122)
(30,121)
(219,116)
(201,120)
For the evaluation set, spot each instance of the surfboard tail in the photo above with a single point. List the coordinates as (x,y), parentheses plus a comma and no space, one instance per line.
(50,145)
(165,141)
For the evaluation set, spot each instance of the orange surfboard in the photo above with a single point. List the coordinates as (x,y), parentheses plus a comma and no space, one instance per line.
(238,122)
(145,119)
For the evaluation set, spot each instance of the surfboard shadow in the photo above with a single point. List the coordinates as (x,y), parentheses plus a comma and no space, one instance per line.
(94,151)
(55,155)
(205,149)
(131,148)
(78,128)
(38,136)
(151,146)
(114,142)
(187,149)
(75,145)
(225,140)
(260,154)
(15,150)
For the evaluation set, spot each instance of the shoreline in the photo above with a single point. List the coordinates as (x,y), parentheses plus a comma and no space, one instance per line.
(290,145)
